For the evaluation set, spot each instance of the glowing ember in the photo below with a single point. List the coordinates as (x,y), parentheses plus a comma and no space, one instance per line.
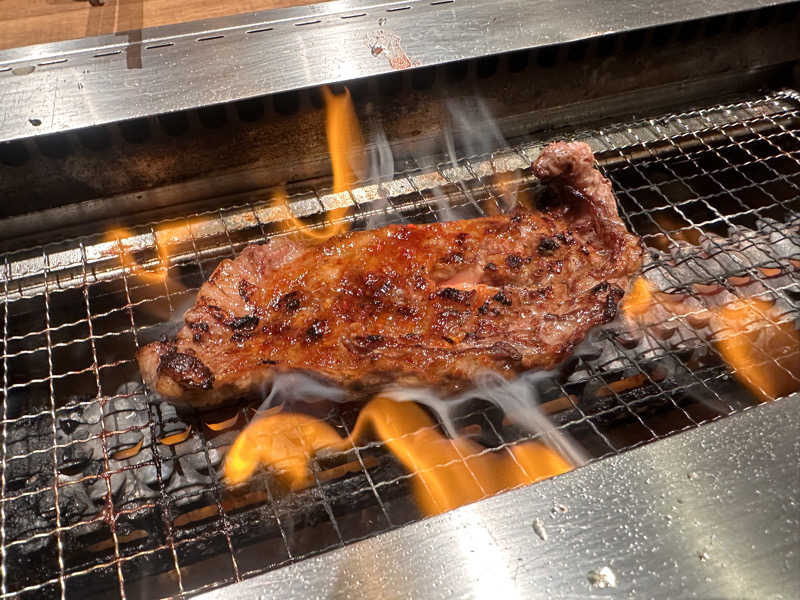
(128,452)
(176,438)
(638,301)
(764,353)
(675,228)
(346,149)
(447,473)
(223,425)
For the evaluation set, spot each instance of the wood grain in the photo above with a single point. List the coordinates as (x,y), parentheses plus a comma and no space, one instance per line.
(26,22)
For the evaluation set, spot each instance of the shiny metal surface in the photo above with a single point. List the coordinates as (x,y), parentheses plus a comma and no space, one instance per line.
(75,84)
(710,513)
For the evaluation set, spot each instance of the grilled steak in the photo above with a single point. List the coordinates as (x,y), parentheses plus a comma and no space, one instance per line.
(411,304)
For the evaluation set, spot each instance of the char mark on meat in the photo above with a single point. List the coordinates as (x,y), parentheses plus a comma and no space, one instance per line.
(187,370)
(505,293)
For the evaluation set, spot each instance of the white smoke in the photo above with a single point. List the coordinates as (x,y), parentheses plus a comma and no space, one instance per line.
(518,400)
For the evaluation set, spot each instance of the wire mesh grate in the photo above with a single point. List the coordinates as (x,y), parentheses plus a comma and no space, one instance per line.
(105,493)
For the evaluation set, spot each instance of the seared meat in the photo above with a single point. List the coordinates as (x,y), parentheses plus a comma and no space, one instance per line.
(412,304)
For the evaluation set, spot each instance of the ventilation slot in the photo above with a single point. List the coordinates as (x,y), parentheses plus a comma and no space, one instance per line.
(174,124)
(457,71)
(135,131)
(486,66)
(95,139)
(547,57)
(423,79)
(390,84)
(518,61)
(250,111)
(161,45)
(56,61)
(286,103)
(54,146)
(13,154)
(633,42)
(212,117)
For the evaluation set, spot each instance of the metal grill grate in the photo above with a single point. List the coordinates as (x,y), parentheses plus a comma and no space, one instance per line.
(80,512)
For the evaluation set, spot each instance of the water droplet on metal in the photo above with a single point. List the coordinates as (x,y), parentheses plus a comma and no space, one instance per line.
(703,555)
(602,578)
(692,475)
(538,528)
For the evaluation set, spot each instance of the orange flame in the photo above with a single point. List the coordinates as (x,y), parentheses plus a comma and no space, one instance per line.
(284,442)
(123,242)
(450,473)
(345,144)
(164,239)
(119,237)
(677,230)
(446,473)
(764,353)
(639,300)
(507,183)
(346,149)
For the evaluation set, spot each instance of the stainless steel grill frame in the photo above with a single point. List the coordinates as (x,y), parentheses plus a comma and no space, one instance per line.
(259,53)
(756,139)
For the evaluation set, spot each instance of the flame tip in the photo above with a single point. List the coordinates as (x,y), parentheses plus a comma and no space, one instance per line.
(346,150)
(446,472)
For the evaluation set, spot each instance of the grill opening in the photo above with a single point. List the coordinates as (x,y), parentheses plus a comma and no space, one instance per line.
(102,497)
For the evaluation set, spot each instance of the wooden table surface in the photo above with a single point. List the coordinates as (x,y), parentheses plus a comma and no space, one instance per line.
(25,22)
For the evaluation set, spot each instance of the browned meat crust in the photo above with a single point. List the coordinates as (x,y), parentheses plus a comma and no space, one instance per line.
(413,304)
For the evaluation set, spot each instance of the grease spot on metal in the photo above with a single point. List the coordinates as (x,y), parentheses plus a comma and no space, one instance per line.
(603,577)
(538,529)
(383,42)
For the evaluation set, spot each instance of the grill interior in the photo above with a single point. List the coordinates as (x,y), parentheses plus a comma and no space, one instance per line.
(106,234)
(98,498)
